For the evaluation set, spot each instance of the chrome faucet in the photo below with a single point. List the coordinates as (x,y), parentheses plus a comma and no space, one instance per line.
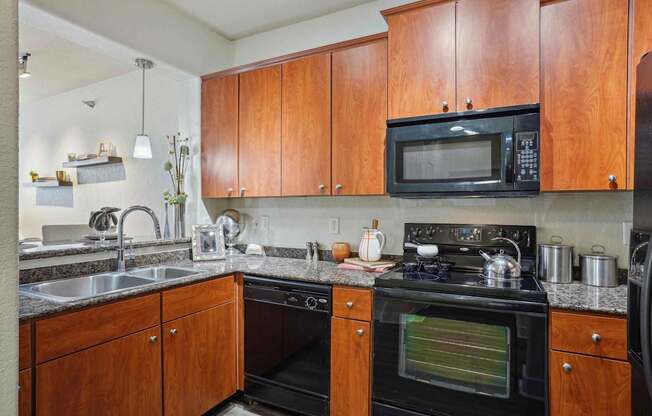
(121,236)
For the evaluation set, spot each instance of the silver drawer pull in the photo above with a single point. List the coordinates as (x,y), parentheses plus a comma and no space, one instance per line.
(153,339)
(173,331)
(567,368)
(596,338)
(359,332)
(349,305)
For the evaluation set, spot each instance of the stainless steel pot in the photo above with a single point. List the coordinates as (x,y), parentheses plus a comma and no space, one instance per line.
(598,268)
(555,261)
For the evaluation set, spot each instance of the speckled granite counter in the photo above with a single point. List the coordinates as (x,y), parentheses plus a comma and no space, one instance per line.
(292,269)
(579,297)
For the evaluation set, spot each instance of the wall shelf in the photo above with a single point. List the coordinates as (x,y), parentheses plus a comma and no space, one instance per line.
(102,160)
(47,184)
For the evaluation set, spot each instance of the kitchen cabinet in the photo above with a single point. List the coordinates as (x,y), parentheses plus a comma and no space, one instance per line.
(584,95)
(197,297)
(641,43)
(219,137)
(497,50)
(199,360)
(584,385)
(25,393)
(350,367)
(359,95)
(119,377)
(306,131)
(24,346)
(588,370)
(352,303)
(259,152)
(421,55)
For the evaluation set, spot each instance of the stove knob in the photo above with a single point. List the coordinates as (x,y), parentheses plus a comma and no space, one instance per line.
(419,232)
(430,232)
(500,232)
(311,303)
(516,236)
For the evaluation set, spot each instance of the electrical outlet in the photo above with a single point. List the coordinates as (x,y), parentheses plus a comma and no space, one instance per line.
(334,225)
(627,229)
(264,223)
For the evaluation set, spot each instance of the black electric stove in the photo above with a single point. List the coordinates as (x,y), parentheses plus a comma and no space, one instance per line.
(447,341)
(458,266)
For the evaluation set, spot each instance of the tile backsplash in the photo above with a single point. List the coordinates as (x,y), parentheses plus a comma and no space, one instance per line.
(582,219)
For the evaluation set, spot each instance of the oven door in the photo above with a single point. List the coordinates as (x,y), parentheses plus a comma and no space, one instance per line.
(451,157)
(444,354)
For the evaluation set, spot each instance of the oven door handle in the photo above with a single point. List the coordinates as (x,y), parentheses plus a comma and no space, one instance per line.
(465,301)
(646,342)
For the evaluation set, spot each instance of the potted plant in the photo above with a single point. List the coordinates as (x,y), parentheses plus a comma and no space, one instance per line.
(176,166)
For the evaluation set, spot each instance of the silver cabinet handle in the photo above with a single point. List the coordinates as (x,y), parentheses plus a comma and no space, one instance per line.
(469,102)
(567,368)
(359,332)
(338,186)
(444,104)
(153,339)
(349,305)
(229,191)
(612,178)
(322,187)
(242,191)
(596,338)
(173,331)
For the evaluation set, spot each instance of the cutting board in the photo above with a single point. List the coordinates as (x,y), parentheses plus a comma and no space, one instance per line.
(369,264)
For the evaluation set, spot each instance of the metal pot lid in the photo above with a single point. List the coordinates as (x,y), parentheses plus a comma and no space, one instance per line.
(598,253)
(555,242)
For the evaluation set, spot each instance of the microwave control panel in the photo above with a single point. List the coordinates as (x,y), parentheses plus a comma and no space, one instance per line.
(527,156)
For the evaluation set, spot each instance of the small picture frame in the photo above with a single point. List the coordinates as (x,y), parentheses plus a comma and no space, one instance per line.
(207,242)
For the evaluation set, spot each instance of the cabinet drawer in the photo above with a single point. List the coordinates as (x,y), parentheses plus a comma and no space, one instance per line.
(25,346)
(194,298)
(589,334)
(76,331)
(352,303)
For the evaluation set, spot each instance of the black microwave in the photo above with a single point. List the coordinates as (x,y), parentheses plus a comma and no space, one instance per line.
(490,153)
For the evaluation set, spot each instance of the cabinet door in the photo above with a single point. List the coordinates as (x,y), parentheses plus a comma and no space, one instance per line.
(350,367)
(497,53)
(588,386)
(422,60)
(641,34)
(359,117)
(25,393)
(120,377)
(219,137)
(260,133)
(199,360)
(584,95)
(306,137)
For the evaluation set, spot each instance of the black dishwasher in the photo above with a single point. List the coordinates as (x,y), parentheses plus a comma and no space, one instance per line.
(287,344)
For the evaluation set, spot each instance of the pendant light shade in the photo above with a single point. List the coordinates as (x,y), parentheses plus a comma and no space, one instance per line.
(143,146)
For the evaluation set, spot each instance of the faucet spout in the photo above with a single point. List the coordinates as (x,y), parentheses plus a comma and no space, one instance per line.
(121,236)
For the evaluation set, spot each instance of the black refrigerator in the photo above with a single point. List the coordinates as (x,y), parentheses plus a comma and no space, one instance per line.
(640,280)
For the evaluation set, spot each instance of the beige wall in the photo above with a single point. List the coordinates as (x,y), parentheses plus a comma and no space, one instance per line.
(582,219)
(8,207)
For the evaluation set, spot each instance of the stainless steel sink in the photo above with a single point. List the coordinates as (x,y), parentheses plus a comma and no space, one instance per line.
(69,290)
(164,272)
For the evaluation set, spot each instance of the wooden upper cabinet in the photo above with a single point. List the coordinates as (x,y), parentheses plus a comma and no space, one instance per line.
(583,385)
(219,137)
(359,117)
(306,137)
(199,361)
(260,133)
(497,53)
(641,38)
(421,60)
(584,95)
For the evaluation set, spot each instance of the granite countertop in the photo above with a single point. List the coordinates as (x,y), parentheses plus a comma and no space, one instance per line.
(579,297)
(291,269)
(68,248)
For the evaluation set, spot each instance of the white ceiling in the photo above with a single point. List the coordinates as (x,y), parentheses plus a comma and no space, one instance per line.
(237,19)
(58,65)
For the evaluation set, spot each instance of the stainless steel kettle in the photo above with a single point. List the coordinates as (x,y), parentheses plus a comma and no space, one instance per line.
(501,265)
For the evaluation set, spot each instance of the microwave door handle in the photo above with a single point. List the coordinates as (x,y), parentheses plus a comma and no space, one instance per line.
(646,343)
(509,158)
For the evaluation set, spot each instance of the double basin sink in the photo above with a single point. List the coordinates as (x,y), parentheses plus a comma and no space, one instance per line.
(79,288)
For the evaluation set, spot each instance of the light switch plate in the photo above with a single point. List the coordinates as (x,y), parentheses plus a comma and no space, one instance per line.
(334,225)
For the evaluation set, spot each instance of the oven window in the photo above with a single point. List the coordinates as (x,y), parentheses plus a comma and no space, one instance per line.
(459,355)
(451,159)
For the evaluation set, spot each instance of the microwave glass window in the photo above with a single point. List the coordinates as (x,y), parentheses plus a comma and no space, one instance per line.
(460,355)
(452,159)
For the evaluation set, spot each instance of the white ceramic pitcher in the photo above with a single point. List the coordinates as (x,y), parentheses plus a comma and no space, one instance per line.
(371,244)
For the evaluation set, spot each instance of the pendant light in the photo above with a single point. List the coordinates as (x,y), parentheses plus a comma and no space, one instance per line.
(143,146)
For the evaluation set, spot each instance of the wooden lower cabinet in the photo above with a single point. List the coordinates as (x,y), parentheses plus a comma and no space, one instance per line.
(120,377)
(350,367)
(199,360)
(582,385)
(25,393)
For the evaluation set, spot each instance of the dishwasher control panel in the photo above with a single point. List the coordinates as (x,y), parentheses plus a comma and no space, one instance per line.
(308,296)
